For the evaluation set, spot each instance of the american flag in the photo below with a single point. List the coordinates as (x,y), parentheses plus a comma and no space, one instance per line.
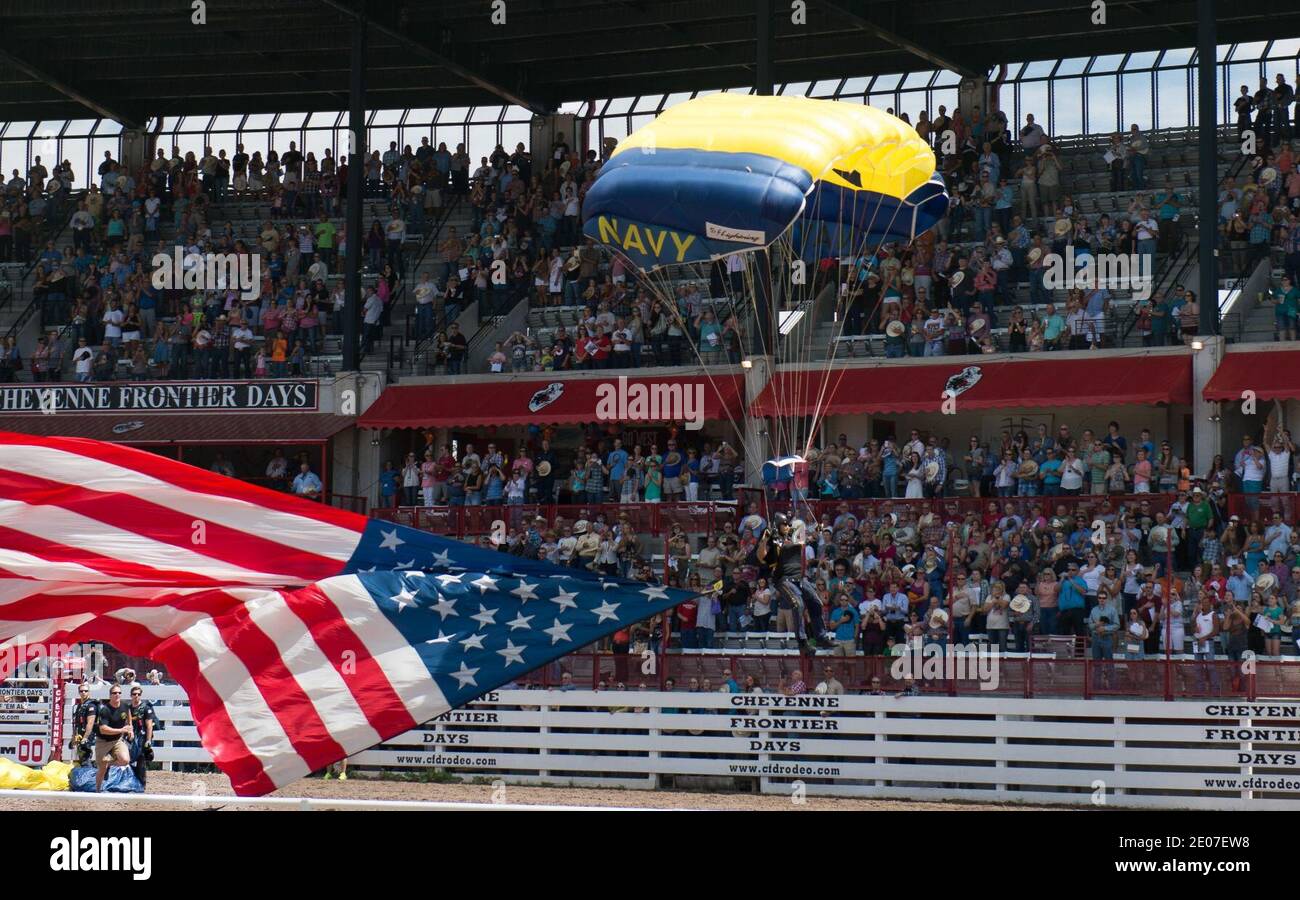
(301,633)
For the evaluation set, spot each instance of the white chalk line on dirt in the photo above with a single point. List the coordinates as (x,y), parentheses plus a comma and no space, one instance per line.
(307,803)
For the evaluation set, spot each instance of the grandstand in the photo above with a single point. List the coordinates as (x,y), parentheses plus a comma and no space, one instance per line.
(429,330)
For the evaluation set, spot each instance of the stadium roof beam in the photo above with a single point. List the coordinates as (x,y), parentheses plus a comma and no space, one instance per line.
(470,74)
(855,12)
(67,90)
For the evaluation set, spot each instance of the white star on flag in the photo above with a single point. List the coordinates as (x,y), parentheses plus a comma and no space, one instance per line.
(465,675)
(565,599)
(511,653)
(485,583)
(485,616)
(475,640)
(606,611)
(391,541)
(655,593)
(442,638)
(442,559)
(525,591)
(406,565)
(412,573)
(520,621)
(403,599)
(559,632)
(445,580)
(445,608)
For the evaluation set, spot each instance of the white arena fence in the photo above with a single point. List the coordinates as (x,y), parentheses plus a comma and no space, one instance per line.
(1219,754)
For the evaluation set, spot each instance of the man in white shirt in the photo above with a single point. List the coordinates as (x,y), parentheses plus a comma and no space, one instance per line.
(372,311)
(82,359)
(241,338)
(1147,232)
(1279,467)
(1032,135)
(395,233)
(113,325)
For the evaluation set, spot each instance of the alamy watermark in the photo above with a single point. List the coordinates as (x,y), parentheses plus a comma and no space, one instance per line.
(1114,271)
(947,662)
(208,272)
(653,402)
(55,661)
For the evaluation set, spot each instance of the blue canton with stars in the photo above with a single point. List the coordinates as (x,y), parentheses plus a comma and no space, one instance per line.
(480,618)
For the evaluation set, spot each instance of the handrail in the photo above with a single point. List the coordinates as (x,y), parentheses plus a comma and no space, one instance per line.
(49,234)
(429,243)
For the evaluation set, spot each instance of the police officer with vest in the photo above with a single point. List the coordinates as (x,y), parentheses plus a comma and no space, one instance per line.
(145,721)
(83,724)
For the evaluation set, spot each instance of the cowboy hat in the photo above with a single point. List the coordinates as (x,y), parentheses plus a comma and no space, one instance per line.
(931,471)
(938,618)
(895,329)
(1028,469)
(1062,226)
(1034,254)
(931,564)
(750,522)
(977,325)
(927,520)
(544,468)
(1020,604)
(908,570)
(904,535)
(1268,176)
(581,526)
(1266,582)
(956,278)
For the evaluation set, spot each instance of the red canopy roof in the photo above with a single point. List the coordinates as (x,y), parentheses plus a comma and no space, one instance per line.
(1094,380)
(1272,375)
(556,400)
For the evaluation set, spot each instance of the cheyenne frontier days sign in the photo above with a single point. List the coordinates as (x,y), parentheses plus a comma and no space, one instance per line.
(199,396)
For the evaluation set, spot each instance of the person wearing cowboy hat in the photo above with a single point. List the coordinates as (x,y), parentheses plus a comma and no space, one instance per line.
(936,624)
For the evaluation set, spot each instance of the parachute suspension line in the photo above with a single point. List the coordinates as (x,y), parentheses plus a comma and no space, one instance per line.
(662,286)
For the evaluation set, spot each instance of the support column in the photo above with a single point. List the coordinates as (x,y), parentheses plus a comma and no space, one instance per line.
(356,186)
(973,92)
(1207,429)
(1208,148)
(758,443)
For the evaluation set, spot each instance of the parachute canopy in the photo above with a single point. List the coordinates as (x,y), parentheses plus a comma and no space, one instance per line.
(728,173)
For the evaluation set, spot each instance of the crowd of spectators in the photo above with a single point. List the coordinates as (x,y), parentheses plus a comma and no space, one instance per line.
(888,573)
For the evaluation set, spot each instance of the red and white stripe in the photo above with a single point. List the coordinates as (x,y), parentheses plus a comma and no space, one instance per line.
(98,542)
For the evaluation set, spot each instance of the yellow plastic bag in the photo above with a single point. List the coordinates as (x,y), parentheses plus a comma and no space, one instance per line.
(52,777)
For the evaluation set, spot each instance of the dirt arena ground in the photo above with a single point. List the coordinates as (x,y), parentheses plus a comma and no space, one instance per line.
(368,789)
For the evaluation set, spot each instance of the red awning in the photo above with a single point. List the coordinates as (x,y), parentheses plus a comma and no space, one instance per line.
(556,400)
(1094,380)
(1272,375)
(233,427)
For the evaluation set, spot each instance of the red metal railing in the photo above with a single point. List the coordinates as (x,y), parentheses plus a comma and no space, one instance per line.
(1016,676)
(708,516)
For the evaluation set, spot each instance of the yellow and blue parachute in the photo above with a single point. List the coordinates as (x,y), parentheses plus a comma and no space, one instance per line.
(728,173)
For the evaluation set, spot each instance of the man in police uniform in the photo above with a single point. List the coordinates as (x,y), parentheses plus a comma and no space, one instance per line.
(145,720)
(83,724)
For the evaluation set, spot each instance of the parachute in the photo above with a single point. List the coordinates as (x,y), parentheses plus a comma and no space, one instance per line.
(729,173)
(768,198)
